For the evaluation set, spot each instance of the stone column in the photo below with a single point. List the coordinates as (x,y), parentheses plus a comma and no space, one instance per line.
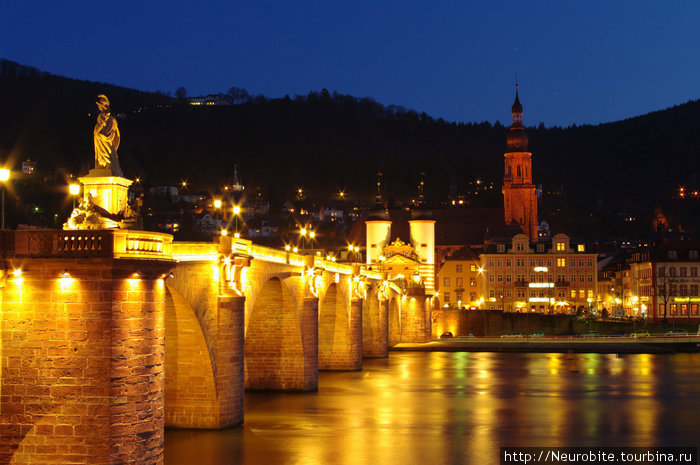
(309,336)
(375,327)
(415,317)
(355,320)
(229,360)
(83,362)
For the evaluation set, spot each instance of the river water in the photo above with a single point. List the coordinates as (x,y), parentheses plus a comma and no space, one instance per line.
(459,408)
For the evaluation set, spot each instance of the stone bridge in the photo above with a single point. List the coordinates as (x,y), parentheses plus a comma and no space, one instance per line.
(108,336)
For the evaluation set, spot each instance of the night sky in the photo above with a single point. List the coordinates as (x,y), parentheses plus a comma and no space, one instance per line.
(577,62)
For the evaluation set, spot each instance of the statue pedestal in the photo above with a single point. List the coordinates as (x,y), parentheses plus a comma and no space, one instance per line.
(107,191)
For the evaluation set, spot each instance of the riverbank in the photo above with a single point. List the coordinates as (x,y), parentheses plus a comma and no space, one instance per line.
(601,345)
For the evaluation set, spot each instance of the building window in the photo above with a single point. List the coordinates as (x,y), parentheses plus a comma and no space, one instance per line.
(540,247)
(589,262)
(492,294)
(573,293)
(458,296)
(490,277)
(684,289)
(693,289)
(459,282)
(662,271)
(533,294)
(500,278)
(540,262)
(581,293)
(580,262)
(560,247)
(661,309)
(590,278)
(693,254)
(472,296)
(672,254)
(540,278)
(521,278)
(590,293)
(572,262)
(693,309)
(684,309)
(581,278)
(520,247)
(673,308)
(509,293)
(549,278)
(499,263)
(549,262)
(446,297)
(561,262)
(520,262)
(581,248)
(459,268)
(532,262)
(445,282)
(509,278)
(672,271)
(472,282)
(693,271)
(684,272)
(501,248)
(509,262)
(491,262)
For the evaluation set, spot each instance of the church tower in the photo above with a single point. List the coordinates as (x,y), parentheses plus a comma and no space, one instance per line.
(519,198)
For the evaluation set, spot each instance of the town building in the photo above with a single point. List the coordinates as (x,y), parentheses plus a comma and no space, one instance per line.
(660,282)
(457,283)
(547,277)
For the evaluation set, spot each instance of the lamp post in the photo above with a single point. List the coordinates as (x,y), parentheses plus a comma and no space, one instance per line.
(74,190)
(217,207)
(4,177)
(236,211)
(302,234)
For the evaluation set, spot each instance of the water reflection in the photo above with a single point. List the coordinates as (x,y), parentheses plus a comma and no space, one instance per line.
(445,408)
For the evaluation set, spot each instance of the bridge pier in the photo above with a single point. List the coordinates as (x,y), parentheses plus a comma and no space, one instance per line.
(82,347)
(415,317)
(375,327)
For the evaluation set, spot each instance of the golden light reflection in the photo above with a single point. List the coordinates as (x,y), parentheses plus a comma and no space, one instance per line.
(66,282)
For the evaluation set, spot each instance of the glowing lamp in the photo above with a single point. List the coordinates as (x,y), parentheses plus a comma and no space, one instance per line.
(224,232)
(236,209)
(217,203)
(74,189)
(4,174)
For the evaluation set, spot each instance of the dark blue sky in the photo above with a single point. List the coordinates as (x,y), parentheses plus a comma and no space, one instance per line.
(578,62)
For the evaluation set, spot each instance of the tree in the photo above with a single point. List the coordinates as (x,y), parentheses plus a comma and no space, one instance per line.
(239,95)
(181,93)
(664,289)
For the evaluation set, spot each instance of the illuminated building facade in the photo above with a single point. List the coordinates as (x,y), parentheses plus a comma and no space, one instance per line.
(458,281)
(660,282)
(519,196)
(547,277)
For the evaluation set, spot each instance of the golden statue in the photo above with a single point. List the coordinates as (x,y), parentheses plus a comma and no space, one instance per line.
(106,136)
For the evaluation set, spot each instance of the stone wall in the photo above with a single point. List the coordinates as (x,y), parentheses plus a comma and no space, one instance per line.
(83,361)
(496,323)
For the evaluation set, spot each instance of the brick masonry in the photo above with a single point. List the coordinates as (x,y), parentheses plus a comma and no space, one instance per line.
(339,330)
(374,326)
(82,363)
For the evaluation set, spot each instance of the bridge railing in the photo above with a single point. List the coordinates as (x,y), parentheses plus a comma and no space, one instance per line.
(103,243)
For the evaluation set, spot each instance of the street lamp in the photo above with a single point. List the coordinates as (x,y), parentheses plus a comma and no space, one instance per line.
(217,207)
(302,233)
(236,211)
(4,177)
(74,190)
